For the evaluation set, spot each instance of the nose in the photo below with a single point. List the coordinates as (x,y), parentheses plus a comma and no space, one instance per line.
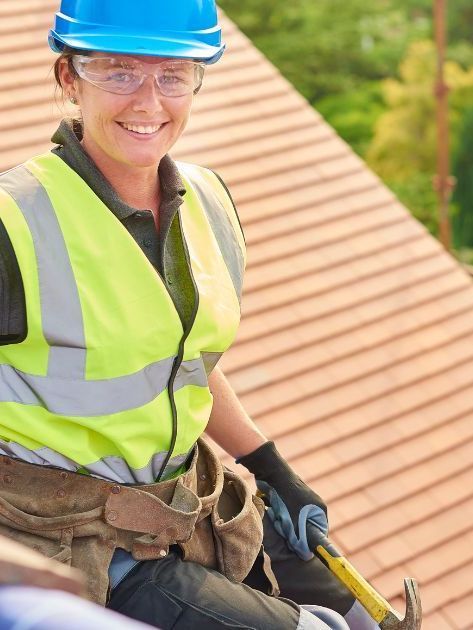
(148,97)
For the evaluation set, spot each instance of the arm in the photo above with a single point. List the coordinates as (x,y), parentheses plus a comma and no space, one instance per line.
(229,425)
(294,507)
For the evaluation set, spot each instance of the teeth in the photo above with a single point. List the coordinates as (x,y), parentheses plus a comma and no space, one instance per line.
(141,128)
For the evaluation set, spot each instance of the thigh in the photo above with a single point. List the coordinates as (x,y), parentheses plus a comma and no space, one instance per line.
(172,594)
(304,582)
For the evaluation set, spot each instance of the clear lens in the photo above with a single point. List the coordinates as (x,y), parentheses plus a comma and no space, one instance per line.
(179,77)
(125,76)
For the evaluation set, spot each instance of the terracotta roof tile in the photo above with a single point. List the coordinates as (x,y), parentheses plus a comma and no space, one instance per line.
(436,621)
(430,566)
(355,345)
(459,613)
(388,583)
(447,590)
(11,8)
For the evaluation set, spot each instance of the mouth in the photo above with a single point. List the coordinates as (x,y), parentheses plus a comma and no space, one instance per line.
(141,131)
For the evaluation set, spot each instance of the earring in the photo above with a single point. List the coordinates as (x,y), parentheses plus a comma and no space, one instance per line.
(73,100)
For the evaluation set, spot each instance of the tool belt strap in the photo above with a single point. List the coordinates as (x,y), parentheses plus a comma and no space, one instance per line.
(80,520)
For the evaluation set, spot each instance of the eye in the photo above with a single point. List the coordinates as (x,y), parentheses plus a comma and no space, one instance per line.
(172,76)
(121,76)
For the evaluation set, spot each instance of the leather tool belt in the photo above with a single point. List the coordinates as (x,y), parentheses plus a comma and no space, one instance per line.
(80,520)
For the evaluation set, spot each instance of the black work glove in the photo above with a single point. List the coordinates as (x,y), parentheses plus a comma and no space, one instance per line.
(293,507)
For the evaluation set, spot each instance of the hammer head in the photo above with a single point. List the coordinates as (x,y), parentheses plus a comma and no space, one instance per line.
(413,617)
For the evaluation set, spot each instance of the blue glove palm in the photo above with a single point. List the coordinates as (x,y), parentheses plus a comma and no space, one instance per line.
(293,507)
(279,514)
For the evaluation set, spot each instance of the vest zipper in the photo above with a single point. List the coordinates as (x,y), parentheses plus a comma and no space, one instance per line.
(180,354)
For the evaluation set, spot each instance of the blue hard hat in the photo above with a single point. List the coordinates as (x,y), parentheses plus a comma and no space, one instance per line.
(187,29)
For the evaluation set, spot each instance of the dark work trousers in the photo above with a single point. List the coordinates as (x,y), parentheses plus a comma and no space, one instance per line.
(172,594)
(303,582)
(308,583)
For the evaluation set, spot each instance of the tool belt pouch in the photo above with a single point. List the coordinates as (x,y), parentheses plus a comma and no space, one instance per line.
(229,530)
(47,535)
(79,540)
(209,512)
(238,527)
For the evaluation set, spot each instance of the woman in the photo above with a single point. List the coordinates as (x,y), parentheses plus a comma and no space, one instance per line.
(123,281)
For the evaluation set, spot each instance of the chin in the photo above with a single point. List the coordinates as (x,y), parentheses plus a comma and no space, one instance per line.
(143,161)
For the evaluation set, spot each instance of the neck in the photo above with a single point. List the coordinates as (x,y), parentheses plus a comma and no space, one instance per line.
(138,187)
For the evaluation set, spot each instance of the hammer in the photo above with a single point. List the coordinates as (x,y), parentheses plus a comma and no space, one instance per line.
(377,607)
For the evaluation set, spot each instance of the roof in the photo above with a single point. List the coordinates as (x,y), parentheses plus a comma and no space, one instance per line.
(355,351)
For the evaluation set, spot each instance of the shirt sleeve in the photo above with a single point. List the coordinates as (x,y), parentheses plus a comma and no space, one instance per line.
(13,326)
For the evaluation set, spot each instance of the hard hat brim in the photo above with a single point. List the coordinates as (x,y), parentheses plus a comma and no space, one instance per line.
(149,46)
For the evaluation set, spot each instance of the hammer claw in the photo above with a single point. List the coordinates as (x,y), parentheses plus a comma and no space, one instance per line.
(376,606)
(413,617)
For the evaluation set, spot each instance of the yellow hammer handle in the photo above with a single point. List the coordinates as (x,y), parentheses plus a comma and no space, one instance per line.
(376,605)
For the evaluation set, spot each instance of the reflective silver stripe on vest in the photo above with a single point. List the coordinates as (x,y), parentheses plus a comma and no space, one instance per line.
(64,390)
(87,398)
(191,373)
(97,398)
(63,326)
(109,468)
(224,233)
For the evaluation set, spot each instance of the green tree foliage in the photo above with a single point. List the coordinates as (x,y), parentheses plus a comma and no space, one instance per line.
(463,195)
(460,21)
(404,140)
(354,115)
(367,66)
(330,46)
(404,147)
(335,51)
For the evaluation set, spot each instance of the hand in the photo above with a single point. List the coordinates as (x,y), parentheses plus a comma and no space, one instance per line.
(293,507)
(20,565)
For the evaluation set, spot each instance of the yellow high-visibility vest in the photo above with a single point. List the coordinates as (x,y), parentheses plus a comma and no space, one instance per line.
(107,381)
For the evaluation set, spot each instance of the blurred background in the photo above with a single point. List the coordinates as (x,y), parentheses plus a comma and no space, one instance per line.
(369,67)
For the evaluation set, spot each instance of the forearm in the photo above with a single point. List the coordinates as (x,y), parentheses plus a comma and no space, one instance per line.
(229,425)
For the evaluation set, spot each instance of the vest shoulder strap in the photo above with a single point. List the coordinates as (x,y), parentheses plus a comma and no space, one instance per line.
(222,216)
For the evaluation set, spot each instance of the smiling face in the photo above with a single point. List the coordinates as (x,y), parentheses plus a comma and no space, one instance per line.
(134,130)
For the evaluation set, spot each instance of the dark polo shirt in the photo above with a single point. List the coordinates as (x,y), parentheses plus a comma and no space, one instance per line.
(165,250)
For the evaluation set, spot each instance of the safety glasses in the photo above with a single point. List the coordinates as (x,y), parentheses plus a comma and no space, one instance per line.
(125,75)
